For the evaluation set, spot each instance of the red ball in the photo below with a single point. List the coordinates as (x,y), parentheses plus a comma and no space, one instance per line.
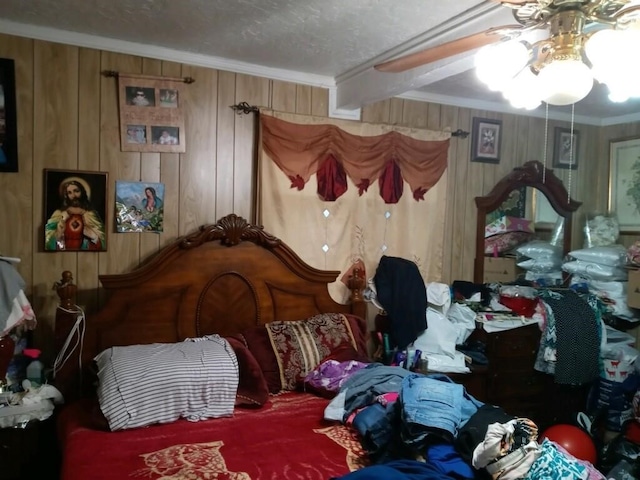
(574,440)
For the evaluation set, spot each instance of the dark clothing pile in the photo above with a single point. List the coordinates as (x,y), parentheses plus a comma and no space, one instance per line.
(401,291)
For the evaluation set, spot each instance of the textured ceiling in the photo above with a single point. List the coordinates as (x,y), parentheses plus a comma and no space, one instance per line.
(326,37)
(333,42)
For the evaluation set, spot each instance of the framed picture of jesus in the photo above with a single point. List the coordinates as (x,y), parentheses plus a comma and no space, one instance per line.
(75,211)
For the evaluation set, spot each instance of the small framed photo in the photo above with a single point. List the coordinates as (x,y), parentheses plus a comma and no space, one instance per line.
(75,205)
(8,124)
(565,148)
(140,96)
(485,140)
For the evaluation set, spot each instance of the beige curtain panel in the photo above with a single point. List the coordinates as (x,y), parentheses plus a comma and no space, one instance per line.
(358,225)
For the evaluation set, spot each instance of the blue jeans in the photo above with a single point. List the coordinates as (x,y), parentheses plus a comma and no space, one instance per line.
(434,402)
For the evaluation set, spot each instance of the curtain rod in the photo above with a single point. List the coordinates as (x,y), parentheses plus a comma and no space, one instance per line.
(244,108)
(114,73)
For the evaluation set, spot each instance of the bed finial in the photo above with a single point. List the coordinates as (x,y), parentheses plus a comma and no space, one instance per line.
(356,285)
(66,290)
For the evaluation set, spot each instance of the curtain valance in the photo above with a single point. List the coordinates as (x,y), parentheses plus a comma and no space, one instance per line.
(301,150)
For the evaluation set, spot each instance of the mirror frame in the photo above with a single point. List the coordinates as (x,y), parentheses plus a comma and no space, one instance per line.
(531,174)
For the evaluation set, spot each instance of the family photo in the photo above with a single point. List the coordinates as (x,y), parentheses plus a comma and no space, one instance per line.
(151,117)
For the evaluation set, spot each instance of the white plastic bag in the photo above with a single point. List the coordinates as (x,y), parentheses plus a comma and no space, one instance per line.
(463,320)
(439,337)
(439,296)
(601,230)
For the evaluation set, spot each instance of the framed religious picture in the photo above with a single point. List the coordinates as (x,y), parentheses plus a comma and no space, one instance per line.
(624,183)
(75,211)
(8,124)
(565,148)
(139,207)
(485,140)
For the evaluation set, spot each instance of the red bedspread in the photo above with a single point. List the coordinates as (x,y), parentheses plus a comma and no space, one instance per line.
(286,439)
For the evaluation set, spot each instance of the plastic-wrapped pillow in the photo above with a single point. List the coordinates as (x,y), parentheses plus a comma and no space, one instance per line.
(594,271)
(612,255)
(539,249)
(541,265)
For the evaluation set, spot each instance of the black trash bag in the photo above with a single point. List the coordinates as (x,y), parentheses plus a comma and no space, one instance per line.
(616,451)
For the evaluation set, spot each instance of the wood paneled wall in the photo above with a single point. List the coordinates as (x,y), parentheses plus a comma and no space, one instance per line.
(68,118)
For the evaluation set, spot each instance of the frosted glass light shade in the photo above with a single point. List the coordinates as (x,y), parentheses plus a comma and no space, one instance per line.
(497,64)
(564,82)
(523,91)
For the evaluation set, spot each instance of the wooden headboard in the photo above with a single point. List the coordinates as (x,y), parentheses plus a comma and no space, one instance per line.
(220,279)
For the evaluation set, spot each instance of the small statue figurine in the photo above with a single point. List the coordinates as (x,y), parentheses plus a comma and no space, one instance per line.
(66,290)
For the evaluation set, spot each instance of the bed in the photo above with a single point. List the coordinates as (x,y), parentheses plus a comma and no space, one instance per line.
(226,279)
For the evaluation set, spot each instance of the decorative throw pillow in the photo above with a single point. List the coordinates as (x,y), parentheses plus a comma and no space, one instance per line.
(301,345)
(258,340)
(253,390)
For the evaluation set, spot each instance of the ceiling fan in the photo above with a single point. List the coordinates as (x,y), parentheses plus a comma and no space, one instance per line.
(567,27)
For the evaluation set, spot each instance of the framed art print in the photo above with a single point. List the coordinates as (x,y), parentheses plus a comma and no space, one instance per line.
(565,148)
(8,124)
(139,207)
(75,210)
(485,140)
(624,183)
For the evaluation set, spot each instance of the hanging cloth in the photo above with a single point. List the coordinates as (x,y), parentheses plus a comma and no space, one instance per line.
(15,308)
(303,150)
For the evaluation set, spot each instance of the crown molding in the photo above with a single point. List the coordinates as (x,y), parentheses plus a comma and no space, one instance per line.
(505,108)
(335,112)
(161,53)
(632,117)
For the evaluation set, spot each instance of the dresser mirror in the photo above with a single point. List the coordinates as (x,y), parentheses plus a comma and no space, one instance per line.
(532,182)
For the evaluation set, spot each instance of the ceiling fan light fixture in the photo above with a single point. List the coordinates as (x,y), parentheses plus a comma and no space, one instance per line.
(523,91)
(497,64)
(564,82)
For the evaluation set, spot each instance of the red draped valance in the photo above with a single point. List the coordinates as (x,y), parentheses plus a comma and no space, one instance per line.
(333,154)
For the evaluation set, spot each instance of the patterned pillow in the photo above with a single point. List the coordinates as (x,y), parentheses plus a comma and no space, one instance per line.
(300,346)
(503,242)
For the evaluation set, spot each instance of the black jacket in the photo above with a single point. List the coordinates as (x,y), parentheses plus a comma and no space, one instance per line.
(401,291)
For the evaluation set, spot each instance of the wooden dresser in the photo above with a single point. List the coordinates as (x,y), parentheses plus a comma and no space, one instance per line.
(511,382)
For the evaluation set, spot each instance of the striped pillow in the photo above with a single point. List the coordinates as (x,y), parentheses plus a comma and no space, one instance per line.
(141,385)
(300,346)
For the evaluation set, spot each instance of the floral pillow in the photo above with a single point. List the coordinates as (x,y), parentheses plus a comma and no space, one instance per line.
(300,346)
(505,242)
(287,351)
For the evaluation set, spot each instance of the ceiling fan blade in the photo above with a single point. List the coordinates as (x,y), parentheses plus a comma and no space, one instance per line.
(448,49)
(628,11)
(514,2)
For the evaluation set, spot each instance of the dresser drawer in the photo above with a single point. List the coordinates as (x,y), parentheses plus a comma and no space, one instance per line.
(519,342)
(511,384)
